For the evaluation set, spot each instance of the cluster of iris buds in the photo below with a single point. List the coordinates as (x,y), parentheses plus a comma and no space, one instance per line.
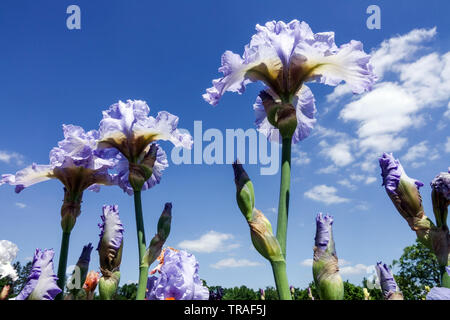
(124,152)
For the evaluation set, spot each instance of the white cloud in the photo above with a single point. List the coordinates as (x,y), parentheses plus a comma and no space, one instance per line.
(299,157)
(416,152)
(339,153)
(352,270)
(447,145)
(233,263)
(8,157)
(212,241)
(327,170)
(370,180)
(307,263)
(447,113)
(20,205)
(357,177)
(347,183)
(325,194)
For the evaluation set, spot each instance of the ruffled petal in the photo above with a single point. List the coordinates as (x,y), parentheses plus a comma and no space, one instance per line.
(128,128)
(41,283)
(349,64)
(111,234)
(28,176)
(178,279)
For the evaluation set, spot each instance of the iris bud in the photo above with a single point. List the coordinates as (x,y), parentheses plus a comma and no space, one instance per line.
(245,194)
(107,286)
(390,289)
(440,196)
(279,114)
(156,244)
(325,262)
(263,238)
(143,169)
(70,210)
(405,195)
(165,221)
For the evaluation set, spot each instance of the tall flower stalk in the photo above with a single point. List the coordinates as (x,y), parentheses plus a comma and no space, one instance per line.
(284,57)
(129,133)
(78,166)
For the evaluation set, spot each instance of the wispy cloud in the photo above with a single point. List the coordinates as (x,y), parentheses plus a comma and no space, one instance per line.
(20,205)
(10,157)
(325,194)
(299,157)
(234,263)
(355,269)
(211,241)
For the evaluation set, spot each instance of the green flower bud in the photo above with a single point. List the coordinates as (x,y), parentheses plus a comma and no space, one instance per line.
(153,250)
(165,221)
(280,115)
(263,238)
(245,194)
(107,286)
(156,244)
(142,169)
(70,210)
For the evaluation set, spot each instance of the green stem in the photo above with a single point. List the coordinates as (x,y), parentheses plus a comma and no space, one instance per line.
(445,278)
(62,266)
(281,281)
(143,268)
(283,204)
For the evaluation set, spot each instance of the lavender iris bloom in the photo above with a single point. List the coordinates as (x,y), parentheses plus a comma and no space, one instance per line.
(41,283)
(178,278)
(438,293)
(127,131)
(74,162)
(8,252)
(111,240)
(388,285)
(284,57)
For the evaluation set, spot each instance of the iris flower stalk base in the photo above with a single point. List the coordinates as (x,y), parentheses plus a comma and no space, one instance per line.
(62,265)
(281,281)
(143,267)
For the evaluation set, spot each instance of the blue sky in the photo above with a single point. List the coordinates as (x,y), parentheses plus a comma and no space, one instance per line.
(167,53)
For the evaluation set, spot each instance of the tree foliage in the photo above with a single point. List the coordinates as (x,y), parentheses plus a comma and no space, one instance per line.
(418,267)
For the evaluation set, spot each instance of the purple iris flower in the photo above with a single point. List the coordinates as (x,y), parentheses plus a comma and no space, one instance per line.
(387,281)
(284,57)
(178,278)
(438,293)
(127,131)
(74,162)
(41,283)
(392,171)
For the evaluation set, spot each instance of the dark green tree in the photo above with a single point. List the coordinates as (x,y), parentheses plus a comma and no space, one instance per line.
(16,286)
(418,267)
(127,292)
(240,293)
